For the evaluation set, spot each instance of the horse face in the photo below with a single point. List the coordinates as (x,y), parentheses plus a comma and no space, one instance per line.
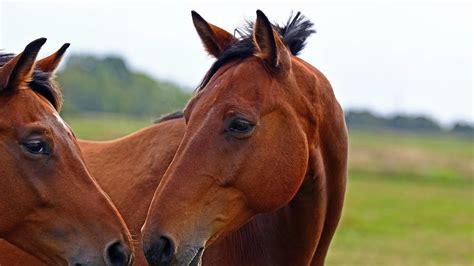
(51,207)
(244,152)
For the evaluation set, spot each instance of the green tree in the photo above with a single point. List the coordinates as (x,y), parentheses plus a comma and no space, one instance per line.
(93,84)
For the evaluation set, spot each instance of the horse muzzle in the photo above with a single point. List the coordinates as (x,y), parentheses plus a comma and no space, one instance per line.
(162,252)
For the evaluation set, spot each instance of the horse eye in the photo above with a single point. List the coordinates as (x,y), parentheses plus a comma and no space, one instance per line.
(36,147)
(240,127)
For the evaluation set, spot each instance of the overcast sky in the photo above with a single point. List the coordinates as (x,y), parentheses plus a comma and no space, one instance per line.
(408,56)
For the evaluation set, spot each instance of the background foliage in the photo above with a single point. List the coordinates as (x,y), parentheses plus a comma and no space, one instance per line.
(92,84)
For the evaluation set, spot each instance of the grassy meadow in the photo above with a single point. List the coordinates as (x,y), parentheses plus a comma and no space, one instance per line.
(410,198)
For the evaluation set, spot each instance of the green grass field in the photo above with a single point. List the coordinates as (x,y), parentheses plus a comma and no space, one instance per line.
(410,198)
(97,126)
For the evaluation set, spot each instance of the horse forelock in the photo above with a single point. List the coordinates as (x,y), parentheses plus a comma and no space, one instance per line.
(293,33)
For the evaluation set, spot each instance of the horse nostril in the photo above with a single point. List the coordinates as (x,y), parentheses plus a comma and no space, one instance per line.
(160,252)
(116,255)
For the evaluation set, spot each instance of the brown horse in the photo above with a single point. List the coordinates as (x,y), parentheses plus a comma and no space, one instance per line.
(50,206)
(129,169)
(264,152)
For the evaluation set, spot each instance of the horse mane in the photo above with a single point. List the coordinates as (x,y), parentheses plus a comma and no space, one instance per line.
(170,116)
(40,83)
(293,33)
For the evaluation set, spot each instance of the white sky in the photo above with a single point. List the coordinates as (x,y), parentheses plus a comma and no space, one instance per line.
(405,56)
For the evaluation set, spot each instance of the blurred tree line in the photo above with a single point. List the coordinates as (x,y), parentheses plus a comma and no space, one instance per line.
(413,123)
(93,84)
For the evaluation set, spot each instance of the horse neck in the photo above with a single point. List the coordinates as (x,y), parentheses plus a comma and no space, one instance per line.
(136,164)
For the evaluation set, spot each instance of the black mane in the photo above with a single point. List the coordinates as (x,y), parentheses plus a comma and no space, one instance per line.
(170,116)
(40,83)
(294,34)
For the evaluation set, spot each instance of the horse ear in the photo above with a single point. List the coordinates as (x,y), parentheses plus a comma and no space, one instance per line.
(19,69)
(51,63)
(269,45)
(214,39)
